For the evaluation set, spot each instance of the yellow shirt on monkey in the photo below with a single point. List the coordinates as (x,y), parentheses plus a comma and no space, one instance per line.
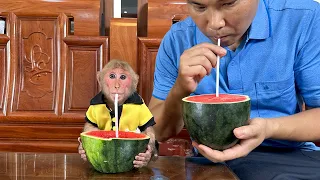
(133,114)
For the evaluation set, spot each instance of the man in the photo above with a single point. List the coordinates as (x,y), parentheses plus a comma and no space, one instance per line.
(271,52)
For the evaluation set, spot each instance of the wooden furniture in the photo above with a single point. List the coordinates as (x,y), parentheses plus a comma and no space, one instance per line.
(161,14)
(70,166)
(85,13)
(48,72)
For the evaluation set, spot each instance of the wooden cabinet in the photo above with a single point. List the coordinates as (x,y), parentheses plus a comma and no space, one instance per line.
(48,72)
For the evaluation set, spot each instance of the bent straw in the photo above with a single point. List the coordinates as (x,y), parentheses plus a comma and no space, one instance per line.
(217,72)
(116,114)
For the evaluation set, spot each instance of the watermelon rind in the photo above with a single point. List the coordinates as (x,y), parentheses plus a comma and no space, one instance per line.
(112,155)
(212,124)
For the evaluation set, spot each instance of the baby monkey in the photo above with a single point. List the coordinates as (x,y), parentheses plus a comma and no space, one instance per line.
(117,77)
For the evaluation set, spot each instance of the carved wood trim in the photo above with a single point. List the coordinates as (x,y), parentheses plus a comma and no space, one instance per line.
(3,73)
(146,61)
(34,54)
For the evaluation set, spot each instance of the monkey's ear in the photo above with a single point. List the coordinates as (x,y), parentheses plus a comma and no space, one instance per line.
(98,78)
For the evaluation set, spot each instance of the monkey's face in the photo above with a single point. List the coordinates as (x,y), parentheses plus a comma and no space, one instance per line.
(117,81)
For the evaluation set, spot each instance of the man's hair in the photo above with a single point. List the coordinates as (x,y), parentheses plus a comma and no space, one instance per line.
(115,63)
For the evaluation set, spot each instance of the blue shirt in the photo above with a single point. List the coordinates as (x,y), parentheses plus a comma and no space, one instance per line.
(277,65)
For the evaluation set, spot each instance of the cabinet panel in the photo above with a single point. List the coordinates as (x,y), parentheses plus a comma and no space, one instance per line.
(36,78)
(86,56)
(123,40)
(47,84)
(3,70)
(148,49)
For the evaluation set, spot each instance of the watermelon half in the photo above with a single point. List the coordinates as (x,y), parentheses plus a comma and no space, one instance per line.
(109,154)
(210,120)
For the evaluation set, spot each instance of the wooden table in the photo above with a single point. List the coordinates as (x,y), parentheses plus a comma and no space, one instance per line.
(36,166)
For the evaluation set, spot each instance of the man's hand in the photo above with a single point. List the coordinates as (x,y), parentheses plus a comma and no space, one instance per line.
(195,63)
(250,137)
(81,151)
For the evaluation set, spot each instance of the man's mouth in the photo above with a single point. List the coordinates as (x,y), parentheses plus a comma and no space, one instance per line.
(219,37)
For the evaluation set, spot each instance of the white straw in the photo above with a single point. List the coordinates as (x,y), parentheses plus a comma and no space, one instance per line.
(217,72)
(116,114)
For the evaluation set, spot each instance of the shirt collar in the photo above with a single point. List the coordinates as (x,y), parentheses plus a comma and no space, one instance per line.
(260,27)
(133,99)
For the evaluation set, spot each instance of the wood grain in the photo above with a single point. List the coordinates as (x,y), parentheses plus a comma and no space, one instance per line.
(123,40)
(148,48)
(47,85)
(57,146)
(85,12)
(85,57)
(162,13)
(71,166)
(142,17)
(3,71)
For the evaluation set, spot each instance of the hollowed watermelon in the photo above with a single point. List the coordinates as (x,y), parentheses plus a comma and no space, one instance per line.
(109,154)
(210,120)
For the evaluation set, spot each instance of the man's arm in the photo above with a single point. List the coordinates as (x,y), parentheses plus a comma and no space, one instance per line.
(302,126)
(167,115)
(195,63)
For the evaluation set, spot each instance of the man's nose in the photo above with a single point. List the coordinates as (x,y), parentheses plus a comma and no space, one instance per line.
(215,20)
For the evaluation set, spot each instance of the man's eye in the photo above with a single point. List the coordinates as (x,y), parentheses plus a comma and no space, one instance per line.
(230,3)
(112,76)
(199,7)
(123,77)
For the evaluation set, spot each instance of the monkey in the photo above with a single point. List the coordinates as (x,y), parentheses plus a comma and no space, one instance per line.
(118,77)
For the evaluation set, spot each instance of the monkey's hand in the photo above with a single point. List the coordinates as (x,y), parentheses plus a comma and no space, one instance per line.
(81,151)
(142,159)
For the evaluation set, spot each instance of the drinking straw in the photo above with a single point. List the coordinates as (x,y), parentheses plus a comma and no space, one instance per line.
(116,114)
(217,72)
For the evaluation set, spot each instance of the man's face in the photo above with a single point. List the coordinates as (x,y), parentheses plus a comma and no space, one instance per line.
(224,19)
(117,81)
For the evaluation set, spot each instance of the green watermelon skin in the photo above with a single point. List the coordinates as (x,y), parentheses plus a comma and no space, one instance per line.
(113,155)
(213,124)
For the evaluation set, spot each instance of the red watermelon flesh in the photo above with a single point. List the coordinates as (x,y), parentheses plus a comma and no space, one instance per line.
(212,98)
(112,134)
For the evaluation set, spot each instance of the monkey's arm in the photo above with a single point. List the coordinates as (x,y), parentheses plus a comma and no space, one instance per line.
(89,127)
(150,132)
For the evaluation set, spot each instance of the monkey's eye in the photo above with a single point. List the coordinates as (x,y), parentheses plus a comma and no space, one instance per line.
(112,76)
(123,77)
